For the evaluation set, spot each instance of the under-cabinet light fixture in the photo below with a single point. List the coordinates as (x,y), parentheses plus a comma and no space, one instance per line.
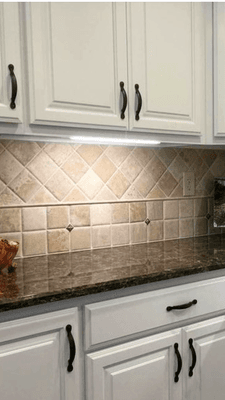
(115,141)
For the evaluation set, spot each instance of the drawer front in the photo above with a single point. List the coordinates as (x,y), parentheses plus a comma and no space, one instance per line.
(113,319)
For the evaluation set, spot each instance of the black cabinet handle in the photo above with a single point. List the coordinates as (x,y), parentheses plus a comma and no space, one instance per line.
(182,306)
(14,86)
(179,363)
(139,102)
(72,348)
(194,358)
(122,115)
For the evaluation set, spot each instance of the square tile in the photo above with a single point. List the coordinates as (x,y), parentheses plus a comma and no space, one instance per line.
(81,239)
(101,236)
(34,243)
(118,184)
(171,229)
(200,207)
(137,212)
(80,215)
(200,226)
(104,168)
(57,217)
(90,184)
(34,218)
(9,167)
(186,227)
(155,231)
(120,213)
(154,210)
(100,214)
(75,167)
(42,167)
(171,209)
(59,185)
(120,235)
(58,240)
(138,232)
(186,208)
(10,220)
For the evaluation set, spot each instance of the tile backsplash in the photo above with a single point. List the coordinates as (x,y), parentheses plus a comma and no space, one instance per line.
(105,192)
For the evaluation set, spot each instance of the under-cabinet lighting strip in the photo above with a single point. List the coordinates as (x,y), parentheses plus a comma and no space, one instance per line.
(107,140)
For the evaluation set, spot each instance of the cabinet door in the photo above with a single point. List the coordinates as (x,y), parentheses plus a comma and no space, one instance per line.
(10,54)
(207,381)
(33,358)
(167,61)
(77,61)
(143,369)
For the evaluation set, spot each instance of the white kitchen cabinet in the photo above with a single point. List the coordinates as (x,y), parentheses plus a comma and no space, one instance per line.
(10,55)
(34,355)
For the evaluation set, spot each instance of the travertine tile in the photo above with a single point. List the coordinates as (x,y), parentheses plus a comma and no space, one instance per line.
(104,168)
(120,213)
(138,232)
(118,184)
(58,240)
(177,167)
(101,236)
(199,168)
(200,226)
(118,154)
(80,215)
(155,231)
(43,196)
(23,151)
(209,156)
(186,208)
(144,183)
(143,155)
(9,167)
(156,193)
(10,220)
(25,185)
(7,197)
(156,168)
(166,155)
(58,217)
(171,229)
(58,152)
(131,168)
(218,167)
(34,243)
(188,155)
(171,209)
(90,153)
(132,194)
(206,185)
(167,183)
(75,196)
(100,214)
(186,227)
(120,235)
(59,185)
(137,212)
(154,210)
(105,194)
(15,236)
(42,167)
(2,186)
(177,192)
(75,167)
(200,207)
(34,218)
(90,184)
(81,238)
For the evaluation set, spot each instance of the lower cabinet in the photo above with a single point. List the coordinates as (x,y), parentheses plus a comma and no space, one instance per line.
(34,354)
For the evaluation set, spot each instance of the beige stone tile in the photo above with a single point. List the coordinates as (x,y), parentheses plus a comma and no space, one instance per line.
(177,167)
(2,148)
(137,212)
(199,168)
(186,227)
(100,214)
(59,185)
(17,237)
(104,168)
(200,226)
(186,208)
(120,213)
(80,215)
(177,192)
(154,210)
(75,167)
(143,155)
(209,156)
(118,154)
(9,167)
(218,167)
(43,196)
(58,217)
(90,153)
(118,184)
(101,236)
(166,155)
(120,235)
(171,229)
(131,168)
(156,193)
(200,207)
(58,152)
(167,183)
(10,220)
(23,151)
(6,142)
(2,186)
(155,231)
(90,184)
(34,243)
(171,209)
(132,194)
(42,166)
(188,155)
(138,232)
(156,168)
(58,240)
(7,197)
(34,218)
(144,183)
(81,238)
(206,186)
(105,194)
(75,196)
(25,185)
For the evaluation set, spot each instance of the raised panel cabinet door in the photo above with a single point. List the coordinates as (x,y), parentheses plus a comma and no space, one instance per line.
(34,355)
(10,54)
(142,369)
(77,59)
(167,62)
(208,348)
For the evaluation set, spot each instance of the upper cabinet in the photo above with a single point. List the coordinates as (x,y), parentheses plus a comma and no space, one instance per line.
(10,55)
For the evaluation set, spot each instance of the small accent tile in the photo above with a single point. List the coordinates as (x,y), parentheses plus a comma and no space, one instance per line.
(208,216)
(69,227)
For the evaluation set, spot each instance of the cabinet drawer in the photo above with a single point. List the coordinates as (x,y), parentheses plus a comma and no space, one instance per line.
(113,319)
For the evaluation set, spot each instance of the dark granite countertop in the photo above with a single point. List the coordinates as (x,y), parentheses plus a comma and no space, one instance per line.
(38,280)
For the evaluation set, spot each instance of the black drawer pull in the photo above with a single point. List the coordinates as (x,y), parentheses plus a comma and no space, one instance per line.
(72,348)
(179,362)
(194,358)
(14,86)
(139,102)
(182,306)
(122,115)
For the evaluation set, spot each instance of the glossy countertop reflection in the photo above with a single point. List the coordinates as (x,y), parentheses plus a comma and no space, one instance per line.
(42,279)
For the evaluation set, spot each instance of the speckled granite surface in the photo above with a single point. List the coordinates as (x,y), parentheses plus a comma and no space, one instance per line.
(38,280)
